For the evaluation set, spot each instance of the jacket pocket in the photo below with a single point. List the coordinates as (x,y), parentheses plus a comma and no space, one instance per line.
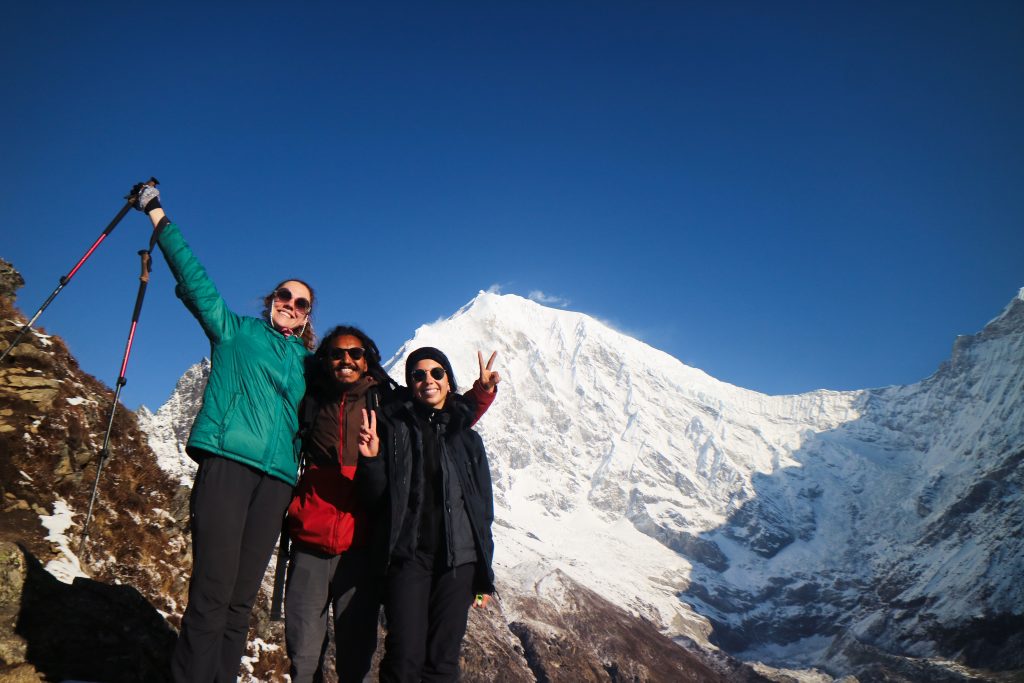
(323,512)
(228,418)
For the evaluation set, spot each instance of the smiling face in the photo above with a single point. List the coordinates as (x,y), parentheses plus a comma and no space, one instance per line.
(344,368)
(290,308)
(429,390)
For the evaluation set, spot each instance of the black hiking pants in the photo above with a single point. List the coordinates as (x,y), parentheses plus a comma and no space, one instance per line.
(236,515)
(427,608)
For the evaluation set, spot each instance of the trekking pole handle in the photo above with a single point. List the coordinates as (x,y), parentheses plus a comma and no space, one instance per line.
(147,264)
(130,200)
(137,188)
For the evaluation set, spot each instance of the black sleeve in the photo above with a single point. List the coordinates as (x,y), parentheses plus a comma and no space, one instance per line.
(482,473)
(372,473)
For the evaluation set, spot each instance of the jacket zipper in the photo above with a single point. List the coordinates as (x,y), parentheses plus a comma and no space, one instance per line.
(442,452)
(336,524)
(395,531)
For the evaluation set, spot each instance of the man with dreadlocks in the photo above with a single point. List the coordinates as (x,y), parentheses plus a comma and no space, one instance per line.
(329,569)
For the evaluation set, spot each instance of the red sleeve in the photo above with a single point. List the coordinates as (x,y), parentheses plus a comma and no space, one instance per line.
(481,399)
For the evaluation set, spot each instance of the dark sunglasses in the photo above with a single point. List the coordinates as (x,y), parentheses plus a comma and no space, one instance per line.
(354,353)
(284,294)
(420,374)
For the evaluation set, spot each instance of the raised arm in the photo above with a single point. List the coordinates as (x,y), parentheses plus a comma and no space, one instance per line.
(481,394)
(194,288)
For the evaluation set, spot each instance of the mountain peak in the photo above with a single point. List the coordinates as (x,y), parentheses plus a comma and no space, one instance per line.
(515,326)
(488,300)
(715,512)
(1009,321)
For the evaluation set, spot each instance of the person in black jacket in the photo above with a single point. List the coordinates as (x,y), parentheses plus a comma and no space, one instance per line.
(431,482)
(330,529)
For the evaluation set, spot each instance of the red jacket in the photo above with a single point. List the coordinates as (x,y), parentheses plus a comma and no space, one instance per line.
(325,513)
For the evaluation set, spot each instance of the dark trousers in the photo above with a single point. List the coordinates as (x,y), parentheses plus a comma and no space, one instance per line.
(427,609)
(318,584)
(236,514)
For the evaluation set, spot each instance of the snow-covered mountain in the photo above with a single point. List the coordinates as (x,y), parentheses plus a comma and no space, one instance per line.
(169,427)
(828,529)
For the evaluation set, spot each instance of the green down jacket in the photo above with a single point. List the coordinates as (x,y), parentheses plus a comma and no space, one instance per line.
(249,411)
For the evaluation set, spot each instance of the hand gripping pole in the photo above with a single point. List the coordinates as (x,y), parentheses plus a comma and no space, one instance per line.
(129,202)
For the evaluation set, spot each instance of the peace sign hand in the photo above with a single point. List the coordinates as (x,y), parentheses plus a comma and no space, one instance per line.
(488,378)
(369,442)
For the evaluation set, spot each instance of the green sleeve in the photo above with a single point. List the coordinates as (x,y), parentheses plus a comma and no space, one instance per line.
(195,288)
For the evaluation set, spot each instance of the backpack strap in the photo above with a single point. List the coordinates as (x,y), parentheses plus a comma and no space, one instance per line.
(307,415)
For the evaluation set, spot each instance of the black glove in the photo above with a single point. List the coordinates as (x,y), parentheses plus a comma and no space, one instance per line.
(147,197)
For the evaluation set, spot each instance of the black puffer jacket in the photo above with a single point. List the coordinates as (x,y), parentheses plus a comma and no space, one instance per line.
(392,484)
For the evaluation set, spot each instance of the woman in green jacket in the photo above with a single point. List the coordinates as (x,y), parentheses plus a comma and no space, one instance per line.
(244,441)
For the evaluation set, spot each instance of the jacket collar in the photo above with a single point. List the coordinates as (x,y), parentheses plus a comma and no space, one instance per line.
(404,407)
(288,338)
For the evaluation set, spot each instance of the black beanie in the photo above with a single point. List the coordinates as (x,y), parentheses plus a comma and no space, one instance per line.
(435,355)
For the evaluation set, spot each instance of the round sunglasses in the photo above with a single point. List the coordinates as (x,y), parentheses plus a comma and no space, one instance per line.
(419,375)
(300,303)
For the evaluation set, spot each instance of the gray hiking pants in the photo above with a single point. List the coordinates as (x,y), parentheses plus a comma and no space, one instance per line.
(317,585)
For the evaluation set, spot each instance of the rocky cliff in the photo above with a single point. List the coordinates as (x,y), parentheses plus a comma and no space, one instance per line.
(107,613)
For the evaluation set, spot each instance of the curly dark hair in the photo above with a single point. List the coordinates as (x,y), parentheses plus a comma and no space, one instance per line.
(308,335)
(320,378)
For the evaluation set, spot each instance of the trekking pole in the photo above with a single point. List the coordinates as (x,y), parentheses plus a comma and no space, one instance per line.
(280,576)
(129,202)
(147,263)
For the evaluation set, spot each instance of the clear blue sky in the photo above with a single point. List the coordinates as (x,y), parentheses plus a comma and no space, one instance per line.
(787,195)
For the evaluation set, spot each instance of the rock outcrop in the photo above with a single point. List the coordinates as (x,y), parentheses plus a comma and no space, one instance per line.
(116,606)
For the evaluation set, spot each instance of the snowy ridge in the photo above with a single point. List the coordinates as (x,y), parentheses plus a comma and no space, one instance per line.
(789,529)
(167,429)
(663,488)
(609,455)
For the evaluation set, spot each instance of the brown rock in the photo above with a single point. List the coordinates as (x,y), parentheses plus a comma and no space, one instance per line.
(92,631)
(12,573)
(27,352)
(19,381)
(12,582)
(42,398)
(10,280)
(84,455)
(583,637)
(22,673)
(63,467)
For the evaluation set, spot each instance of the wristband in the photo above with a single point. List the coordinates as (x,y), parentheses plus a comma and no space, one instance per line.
(153,203)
